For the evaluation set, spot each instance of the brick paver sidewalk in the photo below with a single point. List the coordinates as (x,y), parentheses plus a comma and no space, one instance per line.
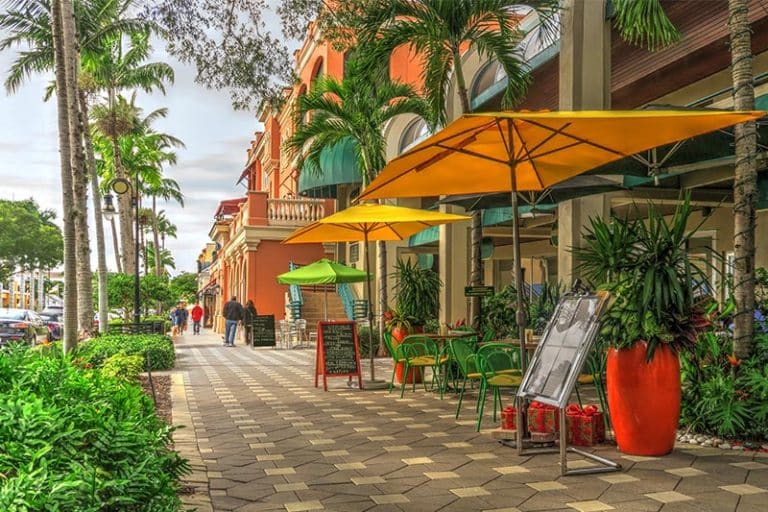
(261,437)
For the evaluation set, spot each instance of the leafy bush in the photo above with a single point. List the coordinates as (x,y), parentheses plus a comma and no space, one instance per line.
(73,439)
(724,395)
(158,348)
(364,337)
(123,367)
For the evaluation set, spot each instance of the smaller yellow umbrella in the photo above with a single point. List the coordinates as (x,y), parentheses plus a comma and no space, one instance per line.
(370,222)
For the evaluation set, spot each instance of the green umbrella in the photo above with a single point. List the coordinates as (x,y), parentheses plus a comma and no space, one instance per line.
(323,271)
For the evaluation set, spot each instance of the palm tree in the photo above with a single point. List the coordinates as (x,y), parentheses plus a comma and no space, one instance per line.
(117,69)
(440,32)
(646,23)
(163,258)
(167,190)
(165,227)
(356,107)
(97,21)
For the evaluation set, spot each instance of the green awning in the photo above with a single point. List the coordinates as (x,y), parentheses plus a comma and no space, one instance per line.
(427,236)
(338,166)
(494,216)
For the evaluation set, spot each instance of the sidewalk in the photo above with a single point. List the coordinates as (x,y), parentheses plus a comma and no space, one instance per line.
(260,436)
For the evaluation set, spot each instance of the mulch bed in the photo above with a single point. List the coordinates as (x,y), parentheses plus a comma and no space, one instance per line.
(163,405)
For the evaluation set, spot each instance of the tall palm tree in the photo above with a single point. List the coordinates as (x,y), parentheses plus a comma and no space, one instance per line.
(165,227)
(648,24)
(356,107)
(440,31)
(98,22)
(167,190)
(163,258)
(124,67)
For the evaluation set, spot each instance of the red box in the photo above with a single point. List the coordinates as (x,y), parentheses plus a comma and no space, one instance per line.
(586,426)
(543,418)
(509,418)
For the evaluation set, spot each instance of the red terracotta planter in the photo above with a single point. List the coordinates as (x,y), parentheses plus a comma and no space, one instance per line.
(644,399)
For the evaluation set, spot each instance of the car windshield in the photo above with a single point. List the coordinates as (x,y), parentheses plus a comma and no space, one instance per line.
(12,314)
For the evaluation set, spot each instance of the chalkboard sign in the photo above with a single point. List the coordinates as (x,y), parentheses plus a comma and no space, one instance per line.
(263,331)
(562,350)
(338,352)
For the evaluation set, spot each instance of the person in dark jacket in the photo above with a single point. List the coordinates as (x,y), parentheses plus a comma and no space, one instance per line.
(233,314)
(249,315)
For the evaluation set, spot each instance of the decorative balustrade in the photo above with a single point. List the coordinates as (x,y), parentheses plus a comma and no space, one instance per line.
(294,212)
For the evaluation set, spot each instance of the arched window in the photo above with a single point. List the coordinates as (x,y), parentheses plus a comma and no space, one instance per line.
(414,133)
(317,70)
(490,74)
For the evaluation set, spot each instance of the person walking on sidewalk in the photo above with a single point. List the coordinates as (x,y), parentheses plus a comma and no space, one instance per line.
(249,315)
(233,314)
(197,316)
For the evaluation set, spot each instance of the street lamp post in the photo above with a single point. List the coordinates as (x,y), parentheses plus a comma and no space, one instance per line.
(122,186)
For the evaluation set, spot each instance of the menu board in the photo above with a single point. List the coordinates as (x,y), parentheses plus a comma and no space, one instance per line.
(563,349)
(263,331)
(338,352)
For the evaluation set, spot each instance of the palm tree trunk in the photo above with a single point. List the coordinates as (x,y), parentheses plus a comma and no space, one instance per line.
(156,238)
(63,43)
(381,271)
(476,231)
(80,213)
(123,200)
(101,250)
(116,245)
(745,184)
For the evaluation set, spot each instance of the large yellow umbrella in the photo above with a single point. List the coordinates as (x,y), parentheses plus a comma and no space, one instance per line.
(528,151)
(369,222)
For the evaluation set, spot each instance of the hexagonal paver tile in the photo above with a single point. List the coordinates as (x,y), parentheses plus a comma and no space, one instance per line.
(750,465)
(589,506)
(511,470)
(298,486)
(384,499)
(440,475)
(620,478)
(470,492)
(368,480)
(417,460)
(685,472)
(668,497)
(743,489)
(546,486)
(304,506)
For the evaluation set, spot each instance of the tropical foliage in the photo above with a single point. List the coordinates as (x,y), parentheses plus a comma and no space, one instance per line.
(500,310)
(156,350)
(658,292)
(110,452)
(417,292)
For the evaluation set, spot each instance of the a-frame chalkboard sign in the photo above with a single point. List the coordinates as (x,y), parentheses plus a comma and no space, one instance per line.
(338,352)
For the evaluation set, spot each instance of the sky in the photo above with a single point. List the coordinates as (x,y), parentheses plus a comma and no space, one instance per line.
(215,135)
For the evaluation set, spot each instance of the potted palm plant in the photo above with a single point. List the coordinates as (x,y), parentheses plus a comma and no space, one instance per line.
(656,312)
(417,292)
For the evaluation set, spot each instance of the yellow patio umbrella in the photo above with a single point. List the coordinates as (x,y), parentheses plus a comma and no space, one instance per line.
(369,222)
(529,151)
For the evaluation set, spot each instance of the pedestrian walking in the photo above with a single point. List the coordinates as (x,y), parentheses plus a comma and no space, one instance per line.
(233,314)
(174,316)
(197,316)
(183,317)
(249,315)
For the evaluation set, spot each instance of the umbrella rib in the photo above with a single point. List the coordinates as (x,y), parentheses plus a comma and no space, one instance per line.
(553,134)
(507,144)
(531,159)
(576,138)
(474,130)
(472,153)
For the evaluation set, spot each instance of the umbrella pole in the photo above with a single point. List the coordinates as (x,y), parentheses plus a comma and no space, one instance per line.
(370,309)
(325,301)
(520,312)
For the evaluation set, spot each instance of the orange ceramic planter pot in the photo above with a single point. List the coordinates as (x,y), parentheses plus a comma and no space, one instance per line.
(644,399)
(399,335)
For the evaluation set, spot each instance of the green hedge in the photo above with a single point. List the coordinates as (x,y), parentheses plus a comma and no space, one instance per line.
(158,347)
(73,439)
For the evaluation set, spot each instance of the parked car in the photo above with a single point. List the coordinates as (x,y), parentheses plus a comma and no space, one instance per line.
(55,323)
(22,325)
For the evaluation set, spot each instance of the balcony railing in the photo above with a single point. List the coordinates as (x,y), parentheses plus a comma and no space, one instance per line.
(294,212)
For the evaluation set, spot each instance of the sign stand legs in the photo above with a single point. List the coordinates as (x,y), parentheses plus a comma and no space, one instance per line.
(606,465)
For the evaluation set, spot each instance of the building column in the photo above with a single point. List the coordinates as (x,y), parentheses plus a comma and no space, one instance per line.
(585,84)
(454,268)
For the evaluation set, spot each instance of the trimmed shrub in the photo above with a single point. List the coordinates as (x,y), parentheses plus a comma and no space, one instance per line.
(158,348)
(123,367)
(74,439)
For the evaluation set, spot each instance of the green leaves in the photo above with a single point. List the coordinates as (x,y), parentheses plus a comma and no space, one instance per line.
(155,347)
(417,292)
(73,439)
(644,23)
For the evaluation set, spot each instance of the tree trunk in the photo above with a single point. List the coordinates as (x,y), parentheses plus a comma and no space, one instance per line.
(125,210)
(476,231)
(156,238)
(101,250)
(80,213)
(62,30)
(116,245)
(745,184)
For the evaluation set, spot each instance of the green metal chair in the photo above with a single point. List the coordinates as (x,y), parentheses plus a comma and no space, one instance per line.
(394,354)
(499,365)
(462,352)
(420,352)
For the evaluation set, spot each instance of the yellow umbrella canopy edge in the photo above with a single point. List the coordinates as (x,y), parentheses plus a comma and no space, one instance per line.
(546,147)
